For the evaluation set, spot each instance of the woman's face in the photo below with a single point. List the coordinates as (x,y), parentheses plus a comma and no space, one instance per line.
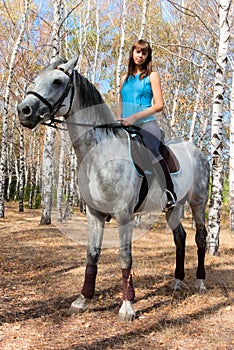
(140,56)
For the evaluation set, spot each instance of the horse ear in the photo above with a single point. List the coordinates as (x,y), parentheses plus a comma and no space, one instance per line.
(69,66)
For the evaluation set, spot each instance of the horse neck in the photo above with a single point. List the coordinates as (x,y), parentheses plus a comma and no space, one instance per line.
(88,110)
(89,101)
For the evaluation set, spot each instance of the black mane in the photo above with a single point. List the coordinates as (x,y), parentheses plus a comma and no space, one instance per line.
(89,95)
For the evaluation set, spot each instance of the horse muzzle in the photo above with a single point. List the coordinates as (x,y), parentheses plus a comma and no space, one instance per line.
(28,114)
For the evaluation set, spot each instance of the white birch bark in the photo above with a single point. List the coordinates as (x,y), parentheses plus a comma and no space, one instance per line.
(3,161)
(121,49)
(203,129)
(38,171)
(60,178)
(47,177)
(143,19)
(196,106)
(231,161)
(26,169)
(71,184)
(48,165)
(217,133)
(97,43)
(21,171)
(10,161)
(175,105)
(32,147)
(83,32)
(17,177)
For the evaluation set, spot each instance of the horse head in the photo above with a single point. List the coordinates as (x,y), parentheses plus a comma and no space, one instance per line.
(51,95)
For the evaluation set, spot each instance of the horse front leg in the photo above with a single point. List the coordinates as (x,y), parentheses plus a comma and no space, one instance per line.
(126,312)
(95,233)
(173,218)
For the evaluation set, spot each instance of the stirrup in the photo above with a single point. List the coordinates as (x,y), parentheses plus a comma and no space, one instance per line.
(170,203)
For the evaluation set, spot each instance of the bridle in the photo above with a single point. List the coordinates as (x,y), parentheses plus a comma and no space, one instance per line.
(49,119)
(58,104)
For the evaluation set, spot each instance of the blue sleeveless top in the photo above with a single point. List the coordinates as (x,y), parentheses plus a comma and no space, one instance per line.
(136,96)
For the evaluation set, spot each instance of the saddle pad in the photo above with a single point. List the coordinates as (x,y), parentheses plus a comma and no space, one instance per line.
(141,158)
(170,158)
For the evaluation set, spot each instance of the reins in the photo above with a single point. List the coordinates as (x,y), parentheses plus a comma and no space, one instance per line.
(114,125)
(49,119)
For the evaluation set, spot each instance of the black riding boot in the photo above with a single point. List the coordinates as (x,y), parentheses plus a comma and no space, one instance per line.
(164,177)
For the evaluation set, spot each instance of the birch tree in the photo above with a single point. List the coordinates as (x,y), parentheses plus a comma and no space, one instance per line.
(231,161)
(70,183)
(200,91)
(97,43)
(143,19)
(3,161)
(217,131)
(38,170)
(121,49)
(48,169)
(60,177)
(32,147)
(82,37)
(10,161)
(21,171)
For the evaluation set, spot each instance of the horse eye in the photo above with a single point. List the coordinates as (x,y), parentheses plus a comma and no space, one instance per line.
(57,82)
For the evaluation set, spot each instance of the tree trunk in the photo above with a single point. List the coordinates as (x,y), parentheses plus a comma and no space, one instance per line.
(47,176)
(143,19)
(231,161)
(60,178)
(196,107)
(47,169)
(217,135)
(21,171)
(32,147)
(71,184)
(97,43)
(38,172)
(3,161)
(10,158)
(122,41)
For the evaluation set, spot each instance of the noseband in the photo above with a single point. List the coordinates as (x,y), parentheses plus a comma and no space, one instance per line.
(58,104)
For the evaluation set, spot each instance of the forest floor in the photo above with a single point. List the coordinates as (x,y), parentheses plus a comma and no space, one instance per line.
(42,272)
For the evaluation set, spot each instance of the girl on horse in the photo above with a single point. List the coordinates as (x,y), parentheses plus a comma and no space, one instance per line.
(140,98)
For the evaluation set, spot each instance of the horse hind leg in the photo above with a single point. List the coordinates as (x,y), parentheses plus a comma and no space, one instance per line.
(174,221)
(198,201)
(200,238)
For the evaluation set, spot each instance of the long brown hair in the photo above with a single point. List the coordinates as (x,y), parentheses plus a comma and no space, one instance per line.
(147,66)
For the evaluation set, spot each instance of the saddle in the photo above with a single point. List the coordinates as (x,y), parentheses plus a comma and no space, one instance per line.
(140,155)
(143,164)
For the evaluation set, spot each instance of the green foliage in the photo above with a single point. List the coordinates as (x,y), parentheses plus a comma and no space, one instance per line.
(226,196)
(37,202)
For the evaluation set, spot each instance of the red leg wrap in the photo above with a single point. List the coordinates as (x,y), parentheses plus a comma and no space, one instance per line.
(89,282)
(128,289)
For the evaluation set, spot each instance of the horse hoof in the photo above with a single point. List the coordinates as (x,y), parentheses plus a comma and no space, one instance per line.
(79,305)
(200,286)
(176,285)
(126,312)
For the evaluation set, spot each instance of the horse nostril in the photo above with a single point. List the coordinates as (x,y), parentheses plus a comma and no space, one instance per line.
(26,110)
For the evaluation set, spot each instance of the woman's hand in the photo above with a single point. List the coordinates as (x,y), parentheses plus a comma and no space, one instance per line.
(128,121)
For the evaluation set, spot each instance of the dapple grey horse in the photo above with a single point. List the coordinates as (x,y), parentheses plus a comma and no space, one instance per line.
(110,183)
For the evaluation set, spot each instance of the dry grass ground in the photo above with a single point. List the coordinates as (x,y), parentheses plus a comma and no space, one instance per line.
(42,273)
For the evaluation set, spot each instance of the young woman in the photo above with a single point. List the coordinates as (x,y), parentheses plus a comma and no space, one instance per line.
(140,98)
